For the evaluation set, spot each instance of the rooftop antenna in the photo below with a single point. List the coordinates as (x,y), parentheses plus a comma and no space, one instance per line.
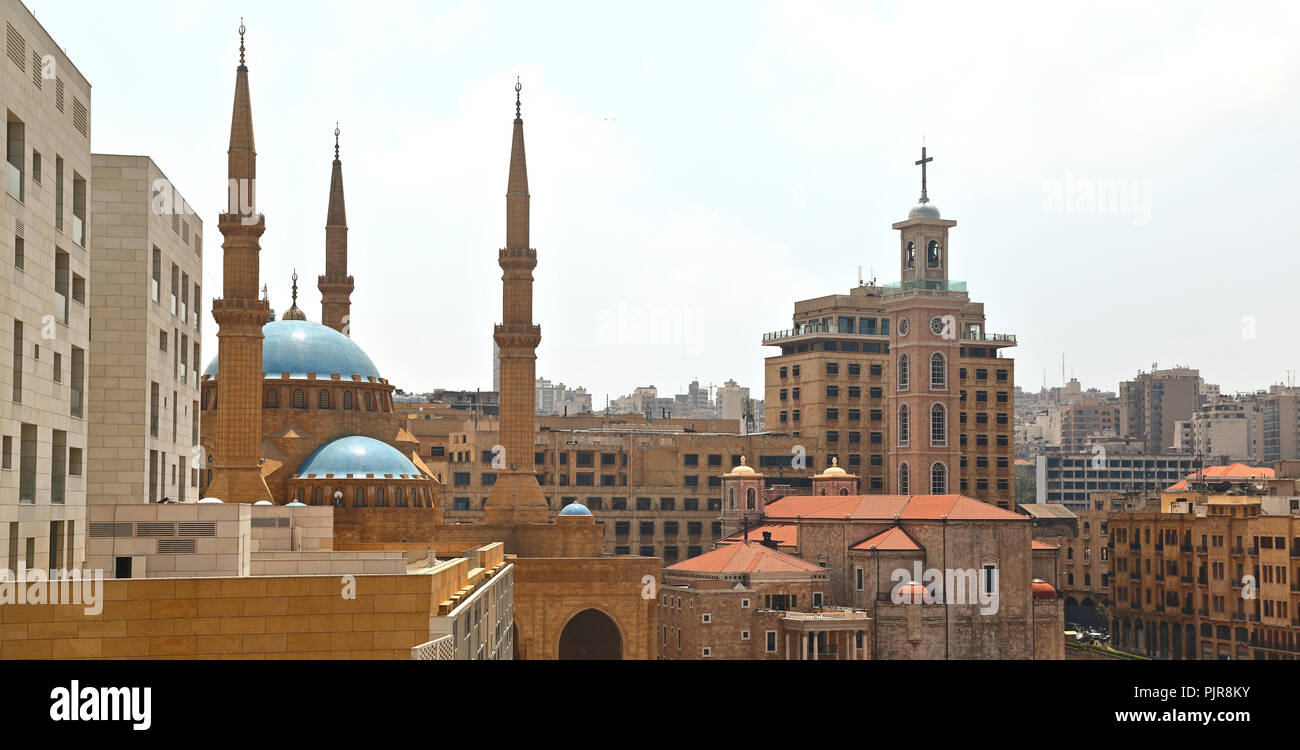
(859,274)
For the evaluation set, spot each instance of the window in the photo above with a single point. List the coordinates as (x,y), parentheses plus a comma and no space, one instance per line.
(347,400)
(938,371)
(938,425)
(19,258)
(272,399)
(904,425)
(903,372)
(938,479)
(904,479)
(771,641)
(299,399)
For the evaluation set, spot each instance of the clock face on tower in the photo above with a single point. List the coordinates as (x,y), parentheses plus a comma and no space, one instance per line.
(903,326)
(936,325)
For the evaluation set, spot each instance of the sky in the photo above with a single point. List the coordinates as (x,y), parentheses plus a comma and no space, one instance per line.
(1115,170)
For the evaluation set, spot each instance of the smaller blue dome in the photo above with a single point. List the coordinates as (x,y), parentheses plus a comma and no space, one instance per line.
(357,455)
(575,509)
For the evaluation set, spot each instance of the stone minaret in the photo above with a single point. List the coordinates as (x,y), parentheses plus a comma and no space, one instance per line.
(336,285)
(240,315)
(516,497)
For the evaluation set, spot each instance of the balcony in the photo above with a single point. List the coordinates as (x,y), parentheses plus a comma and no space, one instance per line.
(1236,551)
(815,328)
(14,181)
(1186,579)
(1201,549)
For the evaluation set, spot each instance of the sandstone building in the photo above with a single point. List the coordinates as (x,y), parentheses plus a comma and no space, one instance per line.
(44,318)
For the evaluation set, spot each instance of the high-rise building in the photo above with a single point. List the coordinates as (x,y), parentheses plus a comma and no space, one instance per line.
(1279,412)
(44,320)
(145,297)
(1153,401)
(903,375)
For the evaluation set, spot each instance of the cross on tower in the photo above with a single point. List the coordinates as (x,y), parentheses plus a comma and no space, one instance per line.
(922,162)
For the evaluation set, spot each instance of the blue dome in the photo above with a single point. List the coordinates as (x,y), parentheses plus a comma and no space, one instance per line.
(357,455)
(301,347)
(575,509)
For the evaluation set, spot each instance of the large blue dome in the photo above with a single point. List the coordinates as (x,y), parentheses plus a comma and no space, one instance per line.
(357,455)
(301,347)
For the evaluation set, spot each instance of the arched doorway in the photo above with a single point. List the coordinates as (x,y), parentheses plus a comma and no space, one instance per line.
(590,634)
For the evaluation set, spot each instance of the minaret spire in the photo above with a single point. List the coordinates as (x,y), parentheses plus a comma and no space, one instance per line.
(335,284)
(236,448)
(516,497)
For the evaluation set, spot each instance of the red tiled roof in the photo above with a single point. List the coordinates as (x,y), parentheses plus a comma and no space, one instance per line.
(887,508)
(1228,473)
(1035,544)
(743,557)
(891,539)
(784,534)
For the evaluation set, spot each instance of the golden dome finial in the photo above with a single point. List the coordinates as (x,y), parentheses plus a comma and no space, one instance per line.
(241,41)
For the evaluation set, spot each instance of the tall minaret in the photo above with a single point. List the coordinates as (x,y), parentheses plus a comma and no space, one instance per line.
(240,315)
(516,497)
(336,285)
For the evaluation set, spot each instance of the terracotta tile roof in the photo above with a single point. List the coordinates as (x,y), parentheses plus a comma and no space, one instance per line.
(1035,544)
(887,508)
(891,539)
(742,557)
(784,534)
(1228,473)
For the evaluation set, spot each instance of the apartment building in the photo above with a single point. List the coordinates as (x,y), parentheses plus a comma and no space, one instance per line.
(657,488)
(1153,401)
(1279,418)
(146,272)
(44,319)
(1212,572)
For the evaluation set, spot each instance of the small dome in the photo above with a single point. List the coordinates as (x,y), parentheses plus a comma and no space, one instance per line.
(575,509)
(295,504)
(301,347)
(834,469)
(1042,590)
(911,593)
(209,501)
(742,470)
(925,210)
(357,455)
(263,502)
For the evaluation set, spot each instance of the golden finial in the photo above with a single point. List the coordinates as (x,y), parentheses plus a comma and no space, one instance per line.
(241,41)
(518,87)
(742,461)
(336,141)
(293,313)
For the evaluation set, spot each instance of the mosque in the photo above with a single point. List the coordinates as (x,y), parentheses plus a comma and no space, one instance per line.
(326,430)
(296,412)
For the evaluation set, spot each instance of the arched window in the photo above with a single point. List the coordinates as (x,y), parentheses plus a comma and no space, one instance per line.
(272,398)
(380,500)
(359,497)
(938,371)
(347,400)
(299,399)
(316,495)
(938,425)
(300,494)
(904,370)
(399,498)
(370,406)
(207,397)
(911,255)
(904,479)
(932,254)
(844,490)
(323,400)
(749,499)
(938,479)
(904,425)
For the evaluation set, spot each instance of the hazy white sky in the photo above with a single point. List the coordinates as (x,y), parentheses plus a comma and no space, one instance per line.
(695,168)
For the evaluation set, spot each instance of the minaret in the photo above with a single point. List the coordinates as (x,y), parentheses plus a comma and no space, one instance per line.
(336,285)
(240,315)
(516,497)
